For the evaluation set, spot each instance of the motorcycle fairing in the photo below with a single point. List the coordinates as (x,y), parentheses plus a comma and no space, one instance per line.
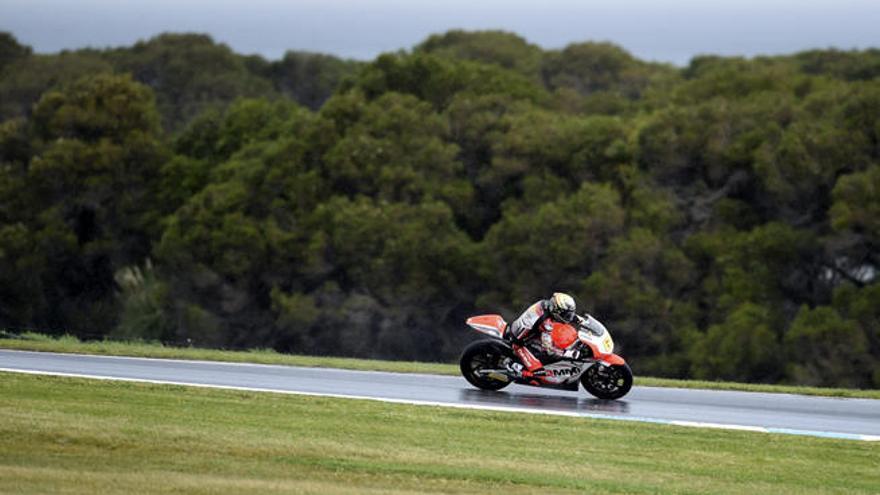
(492,325)
(527,358)
(564,372)
(594,335)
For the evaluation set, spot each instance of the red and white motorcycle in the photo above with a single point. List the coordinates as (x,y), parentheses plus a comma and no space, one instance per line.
(492,364)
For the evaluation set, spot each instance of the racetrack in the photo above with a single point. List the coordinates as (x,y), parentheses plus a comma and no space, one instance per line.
(857,419)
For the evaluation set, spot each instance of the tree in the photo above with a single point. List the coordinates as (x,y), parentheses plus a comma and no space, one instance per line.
(852,250)
(742,348)
(772,265)
(310,78)
(437,79)
(492,47)
(641,289)
(189,73)
(94,166)
(25,79)
(395,275)
(823,349)
(238,237)
(850,65)
(477,124)
(798,170)
(11,50)
(144,314)
(576,149)
(720,218)
(597,67)
(23,263)
(860,305)
(857,204)
(395,150)
(550,247)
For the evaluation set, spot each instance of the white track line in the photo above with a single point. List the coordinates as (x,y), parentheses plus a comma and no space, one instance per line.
(824,434)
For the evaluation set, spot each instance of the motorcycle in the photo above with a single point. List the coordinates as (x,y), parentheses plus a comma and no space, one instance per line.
(492,364)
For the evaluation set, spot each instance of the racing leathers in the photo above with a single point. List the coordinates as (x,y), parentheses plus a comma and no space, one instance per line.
(533,330)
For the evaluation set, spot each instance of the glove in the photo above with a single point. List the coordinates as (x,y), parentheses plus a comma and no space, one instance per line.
(572,354)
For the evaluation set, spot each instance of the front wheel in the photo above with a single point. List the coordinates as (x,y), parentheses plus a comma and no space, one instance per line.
(608,382)
(481,356)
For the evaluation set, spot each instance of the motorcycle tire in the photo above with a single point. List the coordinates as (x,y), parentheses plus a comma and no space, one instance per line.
(479,355)
(608,382)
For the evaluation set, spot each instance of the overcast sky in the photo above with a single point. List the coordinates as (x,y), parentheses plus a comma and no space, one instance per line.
(668,31)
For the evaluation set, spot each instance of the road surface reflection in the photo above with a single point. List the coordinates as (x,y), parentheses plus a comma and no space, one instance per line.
(547,402)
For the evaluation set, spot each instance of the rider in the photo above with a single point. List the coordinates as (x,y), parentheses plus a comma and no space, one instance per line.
(533,326)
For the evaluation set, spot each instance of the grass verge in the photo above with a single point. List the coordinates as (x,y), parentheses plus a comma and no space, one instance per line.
(40,342)
(65,435)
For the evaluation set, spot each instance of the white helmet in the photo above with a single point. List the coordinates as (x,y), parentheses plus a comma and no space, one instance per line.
(562,307)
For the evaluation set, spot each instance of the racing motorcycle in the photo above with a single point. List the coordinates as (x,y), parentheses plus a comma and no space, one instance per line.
(492,364)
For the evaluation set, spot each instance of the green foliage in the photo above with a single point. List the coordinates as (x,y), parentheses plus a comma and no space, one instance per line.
(318,205)
(25,79)
(857,203)
(861,306)
(436,79)
(11,50)
(735,78)
(296,313)
(212,227)
(531,252)
(22,261)
(397,272)
(710,145)
(143,315)
(93,109)
(640,290)
(825,348)
(189,73)
(395,250)
(94,157)
(853,216)
(761,266)
(395,151)
(492,47)
(805,158)
(860,114)
(310,78)
(744,347)
(597,68)
(574,148)
(100,159)
(647,206)
(849,65)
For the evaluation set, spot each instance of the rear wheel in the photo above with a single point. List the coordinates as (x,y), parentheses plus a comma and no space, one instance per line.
(481,356)
(608,382)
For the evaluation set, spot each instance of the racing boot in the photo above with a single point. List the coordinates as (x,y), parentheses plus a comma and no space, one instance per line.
(515,369)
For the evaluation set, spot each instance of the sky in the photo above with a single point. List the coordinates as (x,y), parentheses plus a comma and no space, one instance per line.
(661,30)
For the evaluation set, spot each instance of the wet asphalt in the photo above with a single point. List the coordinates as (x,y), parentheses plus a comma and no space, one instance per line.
(665,405)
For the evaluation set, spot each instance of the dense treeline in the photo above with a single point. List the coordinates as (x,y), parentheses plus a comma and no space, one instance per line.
(723,218)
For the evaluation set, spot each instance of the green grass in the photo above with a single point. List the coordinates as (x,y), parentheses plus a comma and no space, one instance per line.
(39,342)
(65,435)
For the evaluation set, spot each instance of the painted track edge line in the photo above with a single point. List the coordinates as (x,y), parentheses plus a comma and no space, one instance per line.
(637,419)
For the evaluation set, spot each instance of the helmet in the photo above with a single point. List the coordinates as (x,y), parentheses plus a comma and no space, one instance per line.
(562,307)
